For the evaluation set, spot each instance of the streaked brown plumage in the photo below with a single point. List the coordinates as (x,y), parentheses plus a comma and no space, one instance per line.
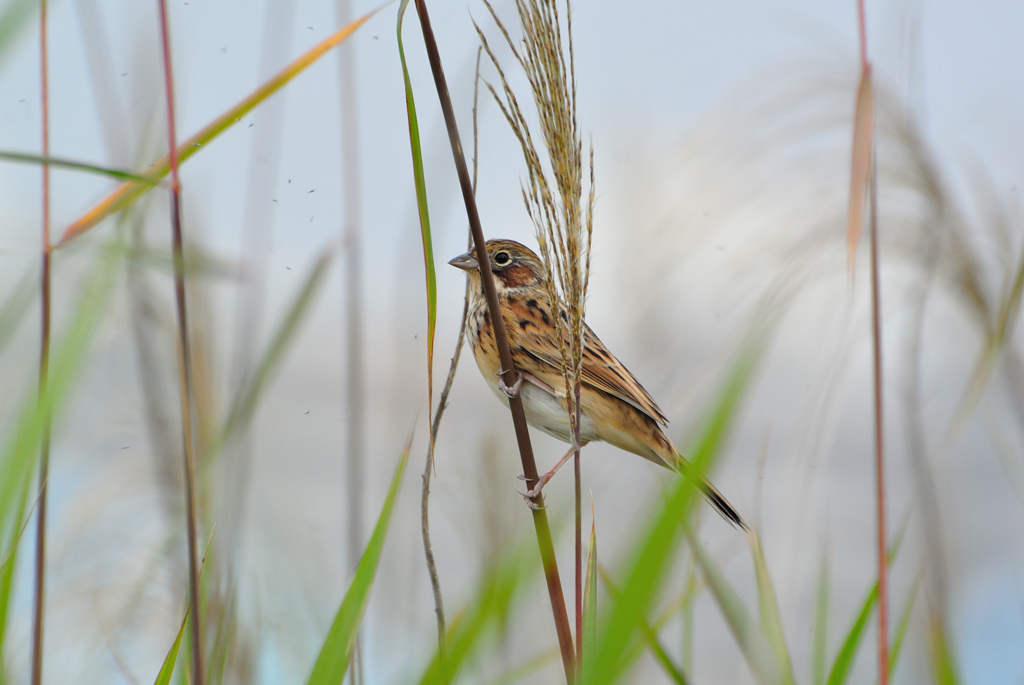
(615,408)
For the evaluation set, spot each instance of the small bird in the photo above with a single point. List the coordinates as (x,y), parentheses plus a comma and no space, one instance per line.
(614,407)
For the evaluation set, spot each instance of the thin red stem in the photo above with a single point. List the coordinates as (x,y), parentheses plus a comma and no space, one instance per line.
(511,375)
(883,557)
(185,366)
(876,329)
(44,369)
(579,569)
(862,25)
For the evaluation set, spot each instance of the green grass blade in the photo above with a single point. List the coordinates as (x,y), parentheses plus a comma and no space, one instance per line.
(167,670)
(590,603)
(843,663)
(490,607)
(527,668)
(821,621)
(15,17)
(332,661)
(844,660)
(244,404)
(901,629)
(944,667)
(424,214)
(650,638)
(19,455)
(654,551)
(19,522)
(16,306)
(25,158)
(756,648)
(768,605)
(130,191)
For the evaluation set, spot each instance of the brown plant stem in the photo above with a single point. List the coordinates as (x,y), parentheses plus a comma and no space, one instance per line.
(511,376)
(579,537)
(428,468)
(184,359)
(876,331)
(38,599)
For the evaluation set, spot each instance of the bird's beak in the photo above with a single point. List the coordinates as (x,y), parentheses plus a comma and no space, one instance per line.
(466,262)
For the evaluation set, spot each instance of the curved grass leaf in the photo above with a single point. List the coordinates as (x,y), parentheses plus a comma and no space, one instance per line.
(490,608)
(752,642)
(944,668)
(655,550)
(527,668)
(844,660)
(15,17)
(18,301)
(768,605)
(332,661)
(590,603)
(76,166)
(19,522)
(843,663)
(901,629)
(244,404)
(128,192)
(821,622)
(424,214)
(167,669)
(650,636)
(19,455)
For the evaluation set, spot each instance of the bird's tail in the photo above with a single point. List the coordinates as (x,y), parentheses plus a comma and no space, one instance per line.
(721,505)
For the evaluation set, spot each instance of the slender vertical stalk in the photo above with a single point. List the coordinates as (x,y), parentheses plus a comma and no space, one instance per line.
(579,569)
(44,364)
(876,331)
(184,359)
(540,518)
(355,388)
(579,538)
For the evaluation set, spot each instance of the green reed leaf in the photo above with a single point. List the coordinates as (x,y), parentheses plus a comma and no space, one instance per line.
(167,669)
(654,552)
(821,622)
(590,603)
(25,158)
(424,214)
(130,191)
(19,456)
(333,658)
(489,608)
(901,629)
(771,618)
(843,663)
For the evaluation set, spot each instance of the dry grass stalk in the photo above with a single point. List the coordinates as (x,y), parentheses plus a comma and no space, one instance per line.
(553,199)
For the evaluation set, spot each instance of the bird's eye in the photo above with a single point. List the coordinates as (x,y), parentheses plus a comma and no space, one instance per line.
(502,258)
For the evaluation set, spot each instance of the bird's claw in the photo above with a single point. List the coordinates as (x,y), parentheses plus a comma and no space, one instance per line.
(533,493)
(509,391)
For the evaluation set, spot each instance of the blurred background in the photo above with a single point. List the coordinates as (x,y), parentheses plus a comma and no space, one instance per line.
(721,135)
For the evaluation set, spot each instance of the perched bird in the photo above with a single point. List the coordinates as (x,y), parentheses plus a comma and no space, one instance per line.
(615,408)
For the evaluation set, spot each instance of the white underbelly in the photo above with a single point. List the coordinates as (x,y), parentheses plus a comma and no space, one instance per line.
(546,412)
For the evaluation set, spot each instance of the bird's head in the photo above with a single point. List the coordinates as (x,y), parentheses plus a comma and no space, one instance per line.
(515,266)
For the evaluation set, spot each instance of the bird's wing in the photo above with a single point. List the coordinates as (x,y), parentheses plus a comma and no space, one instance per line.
(533,334)
(603,371)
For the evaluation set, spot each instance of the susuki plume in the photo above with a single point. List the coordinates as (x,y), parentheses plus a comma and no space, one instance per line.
(558,217)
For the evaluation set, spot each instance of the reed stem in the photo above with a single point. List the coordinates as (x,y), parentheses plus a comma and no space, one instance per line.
(184,360)
(540,519)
